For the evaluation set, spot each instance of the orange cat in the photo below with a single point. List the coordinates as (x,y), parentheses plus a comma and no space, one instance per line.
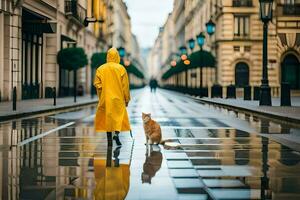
(152,130)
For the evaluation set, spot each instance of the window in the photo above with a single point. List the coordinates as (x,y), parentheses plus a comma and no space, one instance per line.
(291,7)
(236,48)
(247,48)
(242,3)
(241,26)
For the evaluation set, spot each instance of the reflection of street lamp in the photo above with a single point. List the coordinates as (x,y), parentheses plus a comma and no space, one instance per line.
(266,14)
(201,41)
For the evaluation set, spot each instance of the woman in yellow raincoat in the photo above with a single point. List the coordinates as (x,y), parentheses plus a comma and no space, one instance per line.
(112,85)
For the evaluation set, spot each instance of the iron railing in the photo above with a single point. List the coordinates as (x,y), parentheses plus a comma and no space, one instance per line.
(72,7)
(242,3)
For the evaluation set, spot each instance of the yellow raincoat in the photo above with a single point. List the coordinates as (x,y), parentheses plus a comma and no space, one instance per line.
(112,85)
(112,183)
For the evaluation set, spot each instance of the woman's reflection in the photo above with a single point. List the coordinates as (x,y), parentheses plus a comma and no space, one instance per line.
(112,178)
(152,164)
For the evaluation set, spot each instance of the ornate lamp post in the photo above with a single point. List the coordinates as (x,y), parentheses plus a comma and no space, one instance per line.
(210,27)
(266,14)
(183,50)
(201,41)
(191,44)
(88,20)
(122,52)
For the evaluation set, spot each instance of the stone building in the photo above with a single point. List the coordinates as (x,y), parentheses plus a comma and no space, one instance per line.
(155,56)
(27,47)
(32,32)
(237,42)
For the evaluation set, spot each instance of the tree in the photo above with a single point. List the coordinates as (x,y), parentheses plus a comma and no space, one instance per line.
(72,59)
(97,60)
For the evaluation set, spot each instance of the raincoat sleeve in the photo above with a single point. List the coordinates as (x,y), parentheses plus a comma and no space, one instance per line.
(98,82)
(125,84)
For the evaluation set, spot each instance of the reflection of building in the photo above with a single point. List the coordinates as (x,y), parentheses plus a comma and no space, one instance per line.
(237,42)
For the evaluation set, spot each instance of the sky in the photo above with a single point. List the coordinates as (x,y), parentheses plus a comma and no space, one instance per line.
(146,18)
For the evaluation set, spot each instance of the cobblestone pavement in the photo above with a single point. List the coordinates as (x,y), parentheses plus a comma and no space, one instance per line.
(209,154)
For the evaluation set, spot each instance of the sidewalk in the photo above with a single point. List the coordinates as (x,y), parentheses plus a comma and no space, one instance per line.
(289,114)
(37,106)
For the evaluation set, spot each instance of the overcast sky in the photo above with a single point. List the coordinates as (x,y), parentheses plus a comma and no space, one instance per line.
(146,18)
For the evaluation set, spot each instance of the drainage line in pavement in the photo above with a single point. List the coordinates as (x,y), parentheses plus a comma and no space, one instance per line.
(45,133)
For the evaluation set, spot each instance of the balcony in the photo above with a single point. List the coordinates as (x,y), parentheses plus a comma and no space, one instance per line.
(242,3)
(291,9)
(74,10)
(5,6)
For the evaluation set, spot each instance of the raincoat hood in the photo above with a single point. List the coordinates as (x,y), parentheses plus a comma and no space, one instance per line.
(113,56)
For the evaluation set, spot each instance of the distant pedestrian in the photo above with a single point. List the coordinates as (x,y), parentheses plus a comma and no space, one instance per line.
(112,85)
(153,85)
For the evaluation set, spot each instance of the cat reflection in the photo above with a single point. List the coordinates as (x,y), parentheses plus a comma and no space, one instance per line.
(152,164)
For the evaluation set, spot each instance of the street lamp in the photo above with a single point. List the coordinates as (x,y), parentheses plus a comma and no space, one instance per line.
(122,52)
(88,20)
(201,41)
(191,44)
(183,50)
(210,27)
(266,13)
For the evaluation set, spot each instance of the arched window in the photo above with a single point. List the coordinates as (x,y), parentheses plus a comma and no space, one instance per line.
(290,71)
(241,74)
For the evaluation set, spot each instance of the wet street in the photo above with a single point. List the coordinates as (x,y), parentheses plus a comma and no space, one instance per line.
(210,153)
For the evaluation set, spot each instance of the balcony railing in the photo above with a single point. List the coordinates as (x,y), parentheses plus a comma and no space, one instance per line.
(77,11)
(241,3)
(291,9)
(5,6)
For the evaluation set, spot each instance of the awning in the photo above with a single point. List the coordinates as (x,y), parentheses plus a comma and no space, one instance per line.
(40,27)
(36,23)
(197,59)
(134,70)
(202,58)
(67,39)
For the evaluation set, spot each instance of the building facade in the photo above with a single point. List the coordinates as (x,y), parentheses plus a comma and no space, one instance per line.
(237,42)
(33,32)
